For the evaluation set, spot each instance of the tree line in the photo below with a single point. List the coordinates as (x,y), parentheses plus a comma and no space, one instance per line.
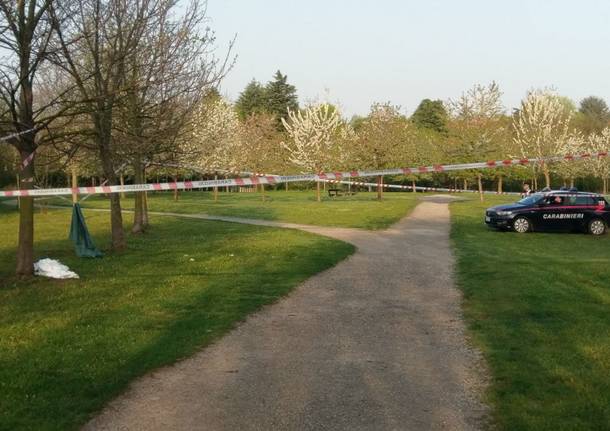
(473,127)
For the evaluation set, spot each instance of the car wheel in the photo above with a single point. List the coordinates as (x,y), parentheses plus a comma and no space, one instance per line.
(521,225)
(597,227)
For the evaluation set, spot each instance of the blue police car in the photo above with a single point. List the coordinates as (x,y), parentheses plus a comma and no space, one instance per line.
(553,211)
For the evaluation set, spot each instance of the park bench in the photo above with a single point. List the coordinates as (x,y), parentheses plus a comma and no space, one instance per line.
(339,192)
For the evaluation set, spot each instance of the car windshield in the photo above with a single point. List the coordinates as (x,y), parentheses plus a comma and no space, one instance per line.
(530,200)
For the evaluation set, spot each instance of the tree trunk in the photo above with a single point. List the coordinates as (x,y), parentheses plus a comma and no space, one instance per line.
(138,214)
(605,181)
(116,221)
(176,189)
(547,176)
(215,190)
(318,197)
(145,219)
(500,183)
(106,157)
(379,187)
(286,185)
(465,184)
(25,247)
(263,192)
(18,186)
(414,185)
(535,183)
(480,183)
(571,182)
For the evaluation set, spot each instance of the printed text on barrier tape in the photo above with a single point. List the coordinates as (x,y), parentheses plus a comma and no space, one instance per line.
(289,178)
(422,188)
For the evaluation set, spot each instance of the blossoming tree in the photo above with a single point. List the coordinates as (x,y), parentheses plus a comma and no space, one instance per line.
(313,145)
(541,128)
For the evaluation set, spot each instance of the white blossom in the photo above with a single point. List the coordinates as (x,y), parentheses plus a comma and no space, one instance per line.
(574,144)
(312,146)
(600,166)
(541,126)
(215,137)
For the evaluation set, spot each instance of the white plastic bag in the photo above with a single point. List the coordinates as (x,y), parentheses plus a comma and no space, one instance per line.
(53,269)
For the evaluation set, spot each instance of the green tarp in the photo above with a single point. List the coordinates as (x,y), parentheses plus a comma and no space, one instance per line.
(83,243)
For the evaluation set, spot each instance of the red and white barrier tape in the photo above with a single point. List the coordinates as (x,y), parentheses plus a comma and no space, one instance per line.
(421,188)
(273,179)
(26,162)
(15,135)
(209,171)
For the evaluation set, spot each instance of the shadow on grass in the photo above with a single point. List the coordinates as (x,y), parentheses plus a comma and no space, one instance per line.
(360,211)
(68,347)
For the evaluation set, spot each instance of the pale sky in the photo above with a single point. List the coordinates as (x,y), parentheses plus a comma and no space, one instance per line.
(359,52)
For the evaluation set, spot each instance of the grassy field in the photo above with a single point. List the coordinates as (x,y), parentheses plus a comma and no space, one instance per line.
(68,347)
(359,211)
(538,306)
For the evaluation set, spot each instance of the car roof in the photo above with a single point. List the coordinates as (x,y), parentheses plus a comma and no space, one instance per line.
(570,193)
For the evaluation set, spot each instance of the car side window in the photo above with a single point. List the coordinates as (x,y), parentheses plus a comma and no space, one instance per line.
(584,200)
(554,200)
(573,200)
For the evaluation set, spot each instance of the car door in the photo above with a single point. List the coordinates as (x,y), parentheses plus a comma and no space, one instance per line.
(551,212)
(577,209)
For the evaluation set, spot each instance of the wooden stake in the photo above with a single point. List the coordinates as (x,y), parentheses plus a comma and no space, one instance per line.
(18,188)
(74,186)
(122,179)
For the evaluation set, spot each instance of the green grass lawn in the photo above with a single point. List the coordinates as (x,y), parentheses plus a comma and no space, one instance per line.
(359,211)
(538,305)
(68,347)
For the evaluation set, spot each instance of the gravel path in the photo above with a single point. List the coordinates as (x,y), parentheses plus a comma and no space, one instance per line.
(375,343)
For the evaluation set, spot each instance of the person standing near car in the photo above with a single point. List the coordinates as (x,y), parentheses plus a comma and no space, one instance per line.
(526,190)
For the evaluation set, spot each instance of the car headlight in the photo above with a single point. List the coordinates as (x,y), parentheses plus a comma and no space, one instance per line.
(505,213)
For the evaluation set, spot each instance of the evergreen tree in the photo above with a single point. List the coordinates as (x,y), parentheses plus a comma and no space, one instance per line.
(252,100)
(280,96)
(431,114)
(594,115)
